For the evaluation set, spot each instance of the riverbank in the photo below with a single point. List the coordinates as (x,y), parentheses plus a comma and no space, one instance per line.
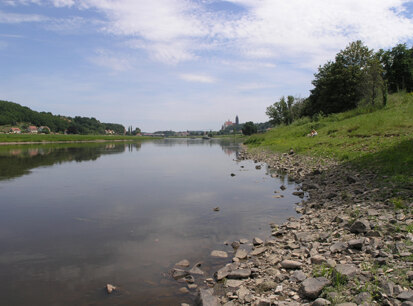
(352,244)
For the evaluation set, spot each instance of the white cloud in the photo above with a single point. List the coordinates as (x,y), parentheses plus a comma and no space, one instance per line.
(173,31)
(19,18)
(199,78)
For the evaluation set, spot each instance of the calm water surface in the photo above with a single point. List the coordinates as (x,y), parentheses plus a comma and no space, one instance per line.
(75,217)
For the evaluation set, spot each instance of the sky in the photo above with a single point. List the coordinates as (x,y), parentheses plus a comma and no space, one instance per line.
(180,64)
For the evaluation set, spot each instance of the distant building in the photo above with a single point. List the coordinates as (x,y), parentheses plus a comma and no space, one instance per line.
(227,124)
(237,120)
(109,132)
(43,129)
(15,131)
(32,129)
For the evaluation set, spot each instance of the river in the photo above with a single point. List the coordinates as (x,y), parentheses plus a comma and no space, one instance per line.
(74,217)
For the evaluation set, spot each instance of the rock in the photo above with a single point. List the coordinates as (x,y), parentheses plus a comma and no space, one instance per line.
(298,276)
(192,286)
(206,298)
(243,241)
(347,304)
(224,271)
(406,296)
(235,245)
(241,254)
(189,279)
(232,174)
(220,254)
(178,273)
(351,179)
(363,297)
(356,244)
(360,226)
(233,283)
(184,263)
(266,286)
(183,290)
(196,270)
(387,288)
(258,167)
(242,293)
(216,208)
(110,288)
(338,247)
(347,270)
(299,194)
(409,275)
(305,236)
(258,251)
(317,259)
(321,302)
(282,187)
(291,264)
(239,273)
(407,303)
(312,287)
(257,241)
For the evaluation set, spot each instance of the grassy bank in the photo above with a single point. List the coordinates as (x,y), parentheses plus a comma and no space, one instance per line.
(11,138)
(378,139)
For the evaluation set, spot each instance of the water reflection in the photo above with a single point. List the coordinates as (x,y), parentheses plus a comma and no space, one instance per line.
(16,161)
(124,214)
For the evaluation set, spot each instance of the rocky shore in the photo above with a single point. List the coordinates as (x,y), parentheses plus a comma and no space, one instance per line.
(352,244)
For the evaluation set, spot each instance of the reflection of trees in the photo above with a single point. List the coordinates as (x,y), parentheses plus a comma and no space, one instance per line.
(18,161)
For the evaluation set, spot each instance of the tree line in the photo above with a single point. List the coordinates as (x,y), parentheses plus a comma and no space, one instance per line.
(357,76)
(13,114)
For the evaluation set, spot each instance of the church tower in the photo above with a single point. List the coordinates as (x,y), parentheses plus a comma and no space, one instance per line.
(236,120)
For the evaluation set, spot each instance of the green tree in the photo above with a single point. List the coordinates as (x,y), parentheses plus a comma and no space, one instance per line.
(337,83)
(249,128)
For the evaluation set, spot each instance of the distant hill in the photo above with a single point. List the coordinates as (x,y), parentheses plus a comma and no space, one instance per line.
(14,114)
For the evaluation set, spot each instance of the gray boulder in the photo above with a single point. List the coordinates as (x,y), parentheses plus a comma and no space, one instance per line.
(311,288)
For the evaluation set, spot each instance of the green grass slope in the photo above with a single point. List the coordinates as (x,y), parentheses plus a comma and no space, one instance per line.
(378,139)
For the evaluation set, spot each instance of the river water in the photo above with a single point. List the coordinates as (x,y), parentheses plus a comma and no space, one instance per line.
(75,217)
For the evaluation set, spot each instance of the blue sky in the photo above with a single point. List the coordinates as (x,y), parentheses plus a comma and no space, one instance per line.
(180,64)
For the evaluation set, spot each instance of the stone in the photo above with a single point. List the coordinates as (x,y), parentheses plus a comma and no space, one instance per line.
(184,263)
(220,254)
(216,208)
(266,286)
(407,303)
(183,290)
(406,296)
(321,302)
(179,273)
(196,270)
(239,273)
(363,297)
(298,276)
(317,259)
(311,288)
(291,264)
(192,286)
(282,187)
(360,227)
(224,271)
(241,253)
(299,194)
(232,174)
(235,245)
(242,293)
(356,244)
(351,179)
(258,251)
(347,304)
(206,298)
(305,236)
(409,275)
(243,241)
(257,241)
(110,288)
(338,247)
(234,283)
(348,270)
